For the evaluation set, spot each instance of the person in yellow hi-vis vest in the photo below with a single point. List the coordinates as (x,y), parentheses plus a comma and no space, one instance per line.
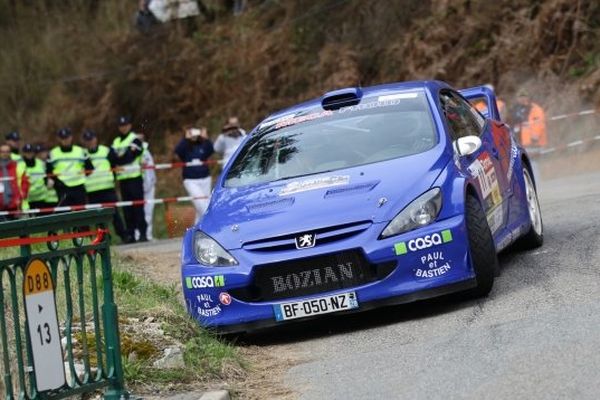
(130,179)
(100,184)
(35,170)
(41,153)
(68,165)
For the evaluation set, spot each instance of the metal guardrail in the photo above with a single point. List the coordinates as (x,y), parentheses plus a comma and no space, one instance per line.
(83,296)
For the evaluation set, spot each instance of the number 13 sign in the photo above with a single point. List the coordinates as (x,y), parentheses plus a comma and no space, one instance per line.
(42,321)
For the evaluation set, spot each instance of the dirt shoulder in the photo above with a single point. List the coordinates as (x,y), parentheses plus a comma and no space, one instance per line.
(266,365)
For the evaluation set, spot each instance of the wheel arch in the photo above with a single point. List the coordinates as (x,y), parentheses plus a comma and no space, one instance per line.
(526,163)
(470,190)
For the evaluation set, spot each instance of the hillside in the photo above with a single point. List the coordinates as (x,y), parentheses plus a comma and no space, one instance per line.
(82,62)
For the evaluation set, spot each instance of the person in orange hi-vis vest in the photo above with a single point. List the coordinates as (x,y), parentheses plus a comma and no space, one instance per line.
(481,104)
(529,121)
(501,108)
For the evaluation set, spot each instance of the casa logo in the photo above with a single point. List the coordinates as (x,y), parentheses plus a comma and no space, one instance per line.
(424,242)
(201,282)
(225,298)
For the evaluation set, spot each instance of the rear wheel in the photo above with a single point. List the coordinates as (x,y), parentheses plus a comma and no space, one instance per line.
(535,236)
(481,247)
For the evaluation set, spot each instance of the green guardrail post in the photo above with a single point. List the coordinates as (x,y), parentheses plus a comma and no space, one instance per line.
(99,309)
(116,389)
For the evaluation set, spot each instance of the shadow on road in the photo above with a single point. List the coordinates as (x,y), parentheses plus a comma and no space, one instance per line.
(324,326)
(308,329)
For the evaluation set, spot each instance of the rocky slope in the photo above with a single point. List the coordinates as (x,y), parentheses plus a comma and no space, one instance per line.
(78,66)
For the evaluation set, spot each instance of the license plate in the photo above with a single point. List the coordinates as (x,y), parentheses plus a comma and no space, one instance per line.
(320,305)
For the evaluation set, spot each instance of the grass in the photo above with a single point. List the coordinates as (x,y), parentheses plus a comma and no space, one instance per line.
(139,300)
(204,355)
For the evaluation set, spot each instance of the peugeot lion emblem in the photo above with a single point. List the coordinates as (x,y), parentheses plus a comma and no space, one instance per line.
(306,241)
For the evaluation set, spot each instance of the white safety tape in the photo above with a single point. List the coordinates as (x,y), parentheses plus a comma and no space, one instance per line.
(118,204)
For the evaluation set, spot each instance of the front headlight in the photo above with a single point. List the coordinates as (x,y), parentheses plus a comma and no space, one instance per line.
(422,211)
(209,252)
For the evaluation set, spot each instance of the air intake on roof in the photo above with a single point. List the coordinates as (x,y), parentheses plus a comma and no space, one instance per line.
(341,98)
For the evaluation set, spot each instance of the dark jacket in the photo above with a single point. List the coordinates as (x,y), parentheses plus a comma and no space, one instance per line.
(188,150)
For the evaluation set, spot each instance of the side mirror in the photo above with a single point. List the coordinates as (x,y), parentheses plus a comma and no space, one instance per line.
(466,145)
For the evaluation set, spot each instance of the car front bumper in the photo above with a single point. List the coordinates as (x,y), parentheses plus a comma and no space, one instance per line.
(425,263)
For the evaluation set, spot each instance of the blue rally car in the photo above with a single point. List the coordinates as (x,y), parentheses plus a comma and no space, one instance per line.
(361,198)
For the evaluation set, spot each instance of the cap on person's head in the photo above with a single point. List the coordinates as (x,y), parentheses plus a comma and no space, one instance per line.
(124,120)
(194,132)
(14,135)
(89,134)
(28,148)
(39,148)
(522,93)
(64,133)
(232,123)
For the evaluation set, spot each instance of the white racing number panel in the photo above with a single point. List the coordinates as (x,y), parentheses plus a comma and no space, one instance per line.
(317,306)
(42,322)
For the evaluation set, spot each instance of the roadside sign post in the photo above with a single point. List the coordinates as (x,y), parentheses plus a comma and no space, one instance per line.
(42,323)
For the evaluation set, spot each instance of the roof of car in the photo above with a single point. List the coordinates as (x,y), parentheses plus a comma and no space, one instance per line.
(387,88)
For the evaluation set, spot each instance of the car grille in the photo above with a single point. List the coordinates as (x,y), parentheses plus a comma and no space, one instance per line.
(311,275)
(323,236)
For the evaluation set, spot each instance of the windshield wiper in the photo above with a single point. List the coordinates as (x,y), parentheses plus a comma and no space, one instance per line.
(301,175)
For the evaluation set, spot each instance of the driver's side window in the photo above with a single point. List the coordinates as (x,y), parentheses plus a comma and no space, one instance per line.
(461,117)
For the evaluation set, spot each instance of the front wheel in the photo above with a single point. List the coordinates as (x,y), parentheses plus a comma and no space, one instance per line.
(481,247)
(535,236)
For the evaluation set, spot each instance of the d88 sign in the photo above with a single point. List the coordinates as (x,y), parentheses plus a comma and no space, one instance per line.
(42,321)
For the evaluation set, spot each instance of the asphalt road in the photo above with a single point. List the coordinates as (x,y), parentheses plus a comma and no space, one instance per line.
(536,336)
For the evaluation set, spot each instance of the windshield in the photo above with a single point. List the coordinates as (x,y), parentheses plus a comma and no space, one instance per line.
(378,128)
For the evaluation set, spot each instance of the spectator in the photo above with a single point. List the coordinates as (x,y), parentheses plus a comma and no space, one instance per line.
(41,152)
(239,6)
(12,189)
(144,18)
(229,139)
(50,198)
(529,121)
(149,177)
(196,147)
(130,179)
(501,108)
(69,165)
(100,184)
(481,104)
(35,170)
(13,139)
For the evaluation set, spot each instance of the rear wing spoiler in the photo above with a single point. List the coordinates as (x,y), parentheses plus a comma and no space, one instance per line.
(484,99)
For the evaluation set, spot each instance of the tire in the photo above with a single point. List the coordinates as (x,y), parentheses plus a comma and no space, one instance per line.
(535,236)
(481,248)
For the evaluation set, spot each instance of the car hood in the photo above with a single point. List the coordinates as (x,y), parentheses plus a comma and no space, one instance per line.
(368,193)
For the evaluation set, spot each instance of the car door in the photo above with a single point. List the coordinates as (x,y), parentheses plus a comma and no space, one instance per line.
(500,132)
(484,166)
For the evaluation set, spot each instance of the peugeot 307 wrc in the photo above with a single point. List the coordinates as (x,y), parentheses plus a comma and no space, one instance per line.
(361,198)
